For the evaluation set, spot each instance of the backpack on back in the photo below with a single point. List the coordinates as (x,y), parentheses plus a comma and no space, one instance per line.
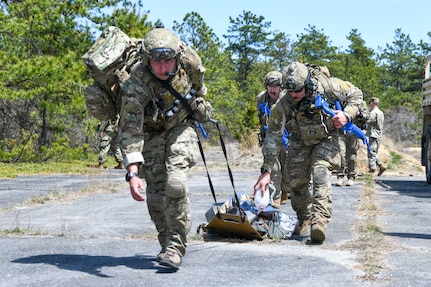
(112,53)
(322,74)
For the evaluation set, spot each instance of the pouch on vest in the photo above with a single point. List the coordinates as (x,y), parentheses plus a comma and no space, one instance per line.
(313,134)
(311,127)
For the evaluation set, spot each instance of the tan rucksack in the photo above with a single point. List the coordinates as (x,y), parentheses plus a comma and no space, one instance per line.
(111,54)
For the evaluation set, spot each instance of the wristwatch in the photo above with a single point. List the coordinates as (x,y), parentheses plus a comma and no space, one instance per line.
(264,170)
(129,175)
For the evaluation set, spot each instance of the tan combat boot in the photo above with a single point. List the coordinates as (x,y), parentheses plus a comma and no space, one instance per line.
(276,203)
(318,233)
(350,181)
(302,227)
(120,166)
(381,170)
(171,259)
(161,254)
(284,197)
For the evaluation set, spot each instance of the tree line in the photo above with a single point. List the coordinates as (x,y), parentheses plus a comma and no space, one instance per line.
(42,77)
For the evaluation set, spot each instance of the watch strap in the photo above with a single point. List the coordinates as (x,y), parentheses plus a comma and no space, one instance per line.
(129,175)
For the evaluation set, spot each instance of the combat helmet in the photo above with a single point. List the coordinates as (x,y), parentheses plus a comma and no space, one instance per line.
(273,78)
(161,44)
(297,76)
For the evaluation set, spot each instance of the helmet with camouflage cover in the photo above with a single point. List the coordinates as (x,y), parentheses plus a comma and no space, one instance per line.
(297,76)
(160,44)
(273,78)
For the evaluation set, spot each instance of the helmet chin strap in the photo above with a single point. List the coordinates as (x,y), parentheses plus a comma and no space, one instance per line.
(171,74)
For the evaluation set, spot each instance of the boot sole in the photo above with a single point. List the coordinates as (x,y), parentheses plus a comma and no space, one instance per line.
(166,262)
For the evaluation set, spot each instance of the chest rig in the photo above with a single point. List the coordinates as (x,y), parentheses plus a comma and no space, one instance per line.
(163,110)
(309,122)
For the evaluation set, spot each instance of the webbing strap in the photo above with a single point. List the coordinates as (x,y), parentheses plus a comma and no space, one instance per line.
(223,146)
(227,163)
(236,203)
(206,168)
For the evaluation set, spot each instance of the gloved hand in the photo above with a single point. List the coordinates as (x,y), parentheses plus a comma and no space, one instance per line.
(202,109)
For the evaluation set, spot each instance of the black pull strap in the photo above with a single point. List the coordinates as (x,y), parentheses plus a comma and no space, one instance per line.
(206,168)
(223,146)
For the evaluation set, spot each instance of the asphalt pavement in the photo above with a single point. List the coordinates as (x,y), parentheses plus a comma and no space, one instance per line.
(107,239)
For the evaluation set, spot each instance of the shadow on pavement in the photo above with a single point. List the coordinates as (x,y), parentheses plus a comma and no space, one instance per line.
(93,264)
(408,235)
(406,187)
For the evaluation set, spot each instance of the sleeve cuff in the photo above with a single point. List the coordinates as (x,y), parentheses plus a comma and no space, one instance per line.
(348,116)
(133,157)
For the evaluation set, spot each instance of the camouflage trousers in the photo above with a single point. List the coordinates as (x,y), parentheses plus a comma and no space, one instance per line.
(373,159)
(109,143)
(168,158)
(279,175)
(349,146)
(315,162)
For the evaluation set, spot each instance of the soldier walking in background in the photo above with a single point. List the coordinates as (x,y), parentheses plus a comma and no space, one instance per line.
(349,147)
(108,133)
(264,101)
(374,134)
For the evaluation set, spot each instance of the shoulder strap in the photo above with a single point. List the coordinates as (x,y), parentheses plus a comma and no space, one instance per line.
(177,95)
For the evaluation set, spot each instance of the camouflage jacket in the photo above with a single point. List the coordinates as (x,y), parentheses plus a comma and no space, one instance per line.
(148,106)
(303,120)
(375,123)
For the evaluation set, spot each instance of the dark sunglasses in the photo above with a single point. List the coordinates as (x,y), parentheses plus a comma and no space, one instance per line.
(296,91)
(292,86)
(162,53)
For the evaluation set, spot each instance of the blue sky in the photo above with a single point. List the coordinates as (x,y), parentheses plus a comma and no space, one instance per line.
(376,20)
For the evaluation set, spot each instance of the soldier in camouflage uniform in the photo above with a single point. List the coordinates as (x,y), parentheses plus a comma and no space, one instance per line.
(313,144)
(374,134)
(108,133)
(158,137)
(349,146)
(264,102)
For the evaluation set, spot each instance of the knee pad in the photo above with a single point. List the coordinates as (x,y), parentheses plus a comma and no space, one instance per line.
(321,175)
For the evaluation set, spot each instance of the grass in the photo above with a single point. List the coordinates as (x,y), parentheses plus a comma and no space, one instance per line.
(370,242)
(396,158)
(12,170)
